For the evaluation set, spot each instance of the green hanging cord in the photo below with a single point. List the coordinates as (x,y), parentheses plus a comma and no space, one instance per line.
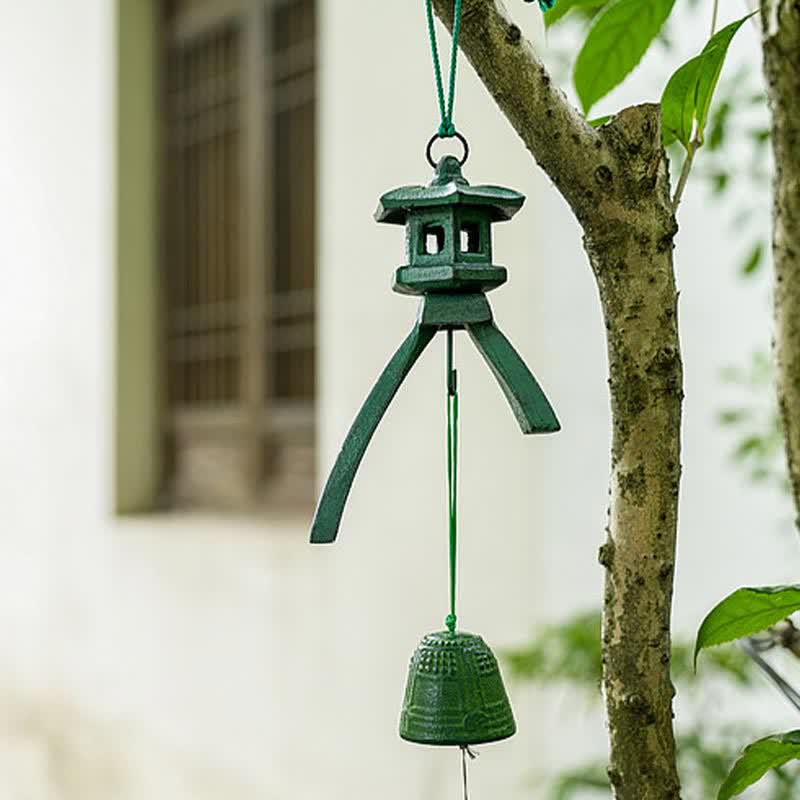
(446,128)
(452,475)
(544,5)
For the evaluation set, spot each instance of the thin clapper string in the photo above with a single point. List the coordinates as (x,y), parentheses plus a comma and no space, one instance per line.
(447,128)
(452,512)
(452,477)
(466,751)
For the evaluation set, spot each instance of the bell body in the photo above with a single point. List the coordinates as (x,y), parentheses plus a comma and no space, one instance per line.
(455,693)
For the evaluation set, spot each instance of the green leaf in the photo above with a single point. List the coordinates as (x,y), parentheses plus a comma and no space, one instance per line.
(678,104)
(757,759)
(734,416)
(563,7)
(761,135)
(729,663)
(719,182)
(688,94)
(617,40)
(593,777)
(714,54)
(753,260)
(598,121)
(569,651)
(753,444)
(719,124)
(745,612)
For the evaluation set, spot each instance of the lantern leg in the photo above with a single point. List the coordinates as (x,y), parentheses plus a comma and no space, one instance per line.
(526,398)
(331,504)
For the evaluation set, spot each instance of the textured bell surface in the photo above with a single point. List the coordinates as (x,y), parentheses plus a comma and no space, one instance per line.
(455,693)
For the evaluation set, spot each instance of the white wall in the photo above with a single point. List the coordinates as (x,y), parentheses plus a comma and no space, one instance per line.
(206,658)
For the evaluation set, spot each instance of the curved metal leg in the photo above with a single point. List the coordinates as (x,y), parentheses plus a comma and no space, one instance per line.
(334,496)
(526,398)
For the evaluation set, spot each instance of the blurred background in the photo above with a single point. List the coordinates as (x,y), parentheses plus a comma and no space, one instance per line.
(195,301)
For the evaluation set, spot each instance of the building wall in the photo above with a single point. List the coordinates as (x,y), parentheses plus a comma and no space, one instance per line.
(202,657)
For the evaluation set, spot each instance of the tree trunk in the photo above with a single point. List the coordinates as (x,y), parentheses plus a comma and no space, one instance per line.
(781,43)
(616,180)
(629,245)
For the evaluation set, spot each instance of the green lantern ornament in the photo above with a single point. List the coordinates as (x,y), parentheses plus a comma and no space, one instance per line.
(449,253)
(454,693)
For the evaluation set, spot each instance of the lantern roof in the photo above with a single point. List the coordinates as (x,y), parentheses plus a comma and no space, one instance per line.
(448,188)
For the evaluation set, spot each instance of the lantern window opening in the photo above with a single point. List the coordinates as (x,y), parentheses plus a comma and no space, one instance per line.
(470,237)
(433,239)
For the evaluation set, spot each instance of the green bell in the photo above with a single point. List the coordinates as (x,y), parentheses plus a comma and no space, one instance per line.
(455,693)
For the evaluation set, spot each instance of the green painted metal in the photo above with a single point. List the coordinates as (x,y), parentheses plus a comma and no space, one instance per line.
(448,188)
(448,232)
(528,402)
(421,280)
(452,281)
(331,505)
(455,693)
(454,310)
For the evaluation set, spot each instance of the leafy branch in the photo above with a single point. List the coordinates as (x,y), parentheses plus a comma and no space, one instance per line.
(687,98)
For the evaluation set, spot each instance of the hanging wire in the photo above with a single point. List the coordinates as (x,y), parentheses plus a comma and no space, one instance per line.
(446,128)
(452,476)
(753,647)
(466,751)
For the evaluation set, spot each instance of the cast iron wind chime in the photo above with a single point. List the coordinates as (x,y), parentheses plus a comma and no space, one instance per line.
(455,694)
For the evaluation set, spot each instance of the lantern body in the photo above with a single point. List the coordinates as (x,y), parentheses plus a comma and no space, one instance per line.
(455,693)
(448,232)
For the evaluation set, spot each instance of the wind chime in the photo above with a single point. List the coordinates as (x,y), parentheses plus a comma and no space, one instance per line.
(454,694)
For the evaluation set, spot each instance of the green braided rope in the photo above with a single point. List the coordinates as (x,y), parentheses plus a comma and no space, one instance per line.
(446,127)
(544,5)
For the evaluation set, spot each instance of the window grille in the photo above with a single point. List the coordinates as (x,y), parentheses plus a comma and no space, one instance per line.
(239,248)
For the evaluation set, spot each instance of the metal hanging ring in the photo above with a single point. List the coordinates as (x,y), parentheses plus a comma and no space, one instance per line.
(436,137)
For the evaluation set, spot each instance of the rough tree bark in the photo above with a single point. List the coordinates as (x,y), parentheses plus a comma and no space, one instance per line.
(616,180)
(781,45)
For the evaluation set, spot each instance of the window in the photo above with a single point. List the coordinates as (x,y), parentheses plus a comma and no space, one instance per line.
(238,262)
(433,237)
(470,237)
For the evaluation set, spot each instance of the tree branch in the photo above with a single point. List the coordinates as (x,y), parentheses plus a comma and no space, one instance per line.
(696,141)
(616,180)
(781,44)
(630,249)
(564,145)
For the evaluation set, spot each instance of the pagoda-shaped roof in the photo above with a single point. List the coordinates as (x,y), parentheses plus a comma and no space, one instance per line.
(448,188)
